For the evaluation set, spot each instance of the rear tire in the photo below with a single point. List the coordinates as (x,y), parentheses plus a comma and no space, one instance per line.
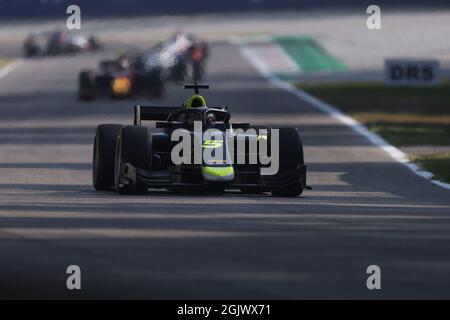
(104,152)
(179,72)
(153,85)
(133,147)
(291,157)
(197,71)
(30,50)
(94,43)
(86,86)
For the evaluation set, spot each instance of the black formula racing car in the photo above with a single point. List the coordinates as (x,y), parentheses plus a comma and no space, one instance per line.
(122,77)
(196,148)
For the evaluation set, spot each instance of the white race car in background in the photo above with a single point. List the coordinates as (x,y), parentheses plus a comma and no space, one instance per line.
(58,42)
(174,58)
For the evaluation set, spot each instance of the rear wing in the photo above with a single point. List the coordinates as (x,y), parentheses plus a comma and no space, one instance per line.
(150,113)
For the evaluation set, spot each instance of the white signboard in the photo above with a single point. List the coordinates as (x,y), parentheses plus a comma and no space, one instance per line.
(411,72)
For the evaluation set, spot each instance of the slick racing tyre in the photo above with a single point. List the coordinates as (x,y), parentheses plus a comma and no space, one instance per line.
(86,86)
(197,71)
(104,155)
(30,49)
(133,147)
(152,85)
(291,157)
(94,44)
(179,72)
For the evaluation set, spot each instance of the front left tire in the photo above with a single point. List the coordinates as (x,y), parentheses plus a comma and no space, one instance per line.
(134,146)
(103,160)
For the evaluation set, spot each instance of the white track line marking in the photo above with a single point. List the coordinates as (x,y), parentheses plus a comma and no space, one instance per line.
(375,139)
(10,67)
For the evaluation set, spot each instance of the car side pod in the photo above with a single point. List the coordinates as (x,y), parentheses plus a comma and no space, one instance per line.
(218,174)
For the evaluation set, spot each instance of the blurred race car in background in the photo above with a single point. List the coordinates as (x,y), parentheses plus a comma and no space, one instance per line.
(182,57)
(122,77)
(177,56)
(57,43)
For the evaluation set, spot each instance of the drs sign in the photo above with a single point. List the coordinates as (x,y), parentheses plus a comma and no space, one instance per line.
(411,72)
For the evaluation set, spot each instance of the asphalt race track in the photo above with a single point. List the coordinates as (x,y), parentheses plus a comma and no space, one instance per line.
(364,208)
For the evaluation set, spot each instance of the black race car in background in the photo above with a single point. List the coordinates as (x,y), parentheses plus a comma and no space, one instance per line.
(145,73)
(58,43)
(131,159)
(122,77)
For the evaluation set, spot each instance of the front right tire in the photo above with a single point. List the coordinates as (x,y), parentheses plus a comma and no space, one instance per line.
(291,158)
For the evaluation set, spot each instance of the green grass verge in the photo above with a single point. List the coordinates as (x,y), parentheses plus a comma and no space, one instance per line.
(438,163)
(376,97)
(403,116)
(412,134)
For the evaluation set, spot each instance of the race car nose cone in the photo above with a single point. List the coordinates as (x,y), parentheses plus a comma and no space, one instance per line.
(218,174)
